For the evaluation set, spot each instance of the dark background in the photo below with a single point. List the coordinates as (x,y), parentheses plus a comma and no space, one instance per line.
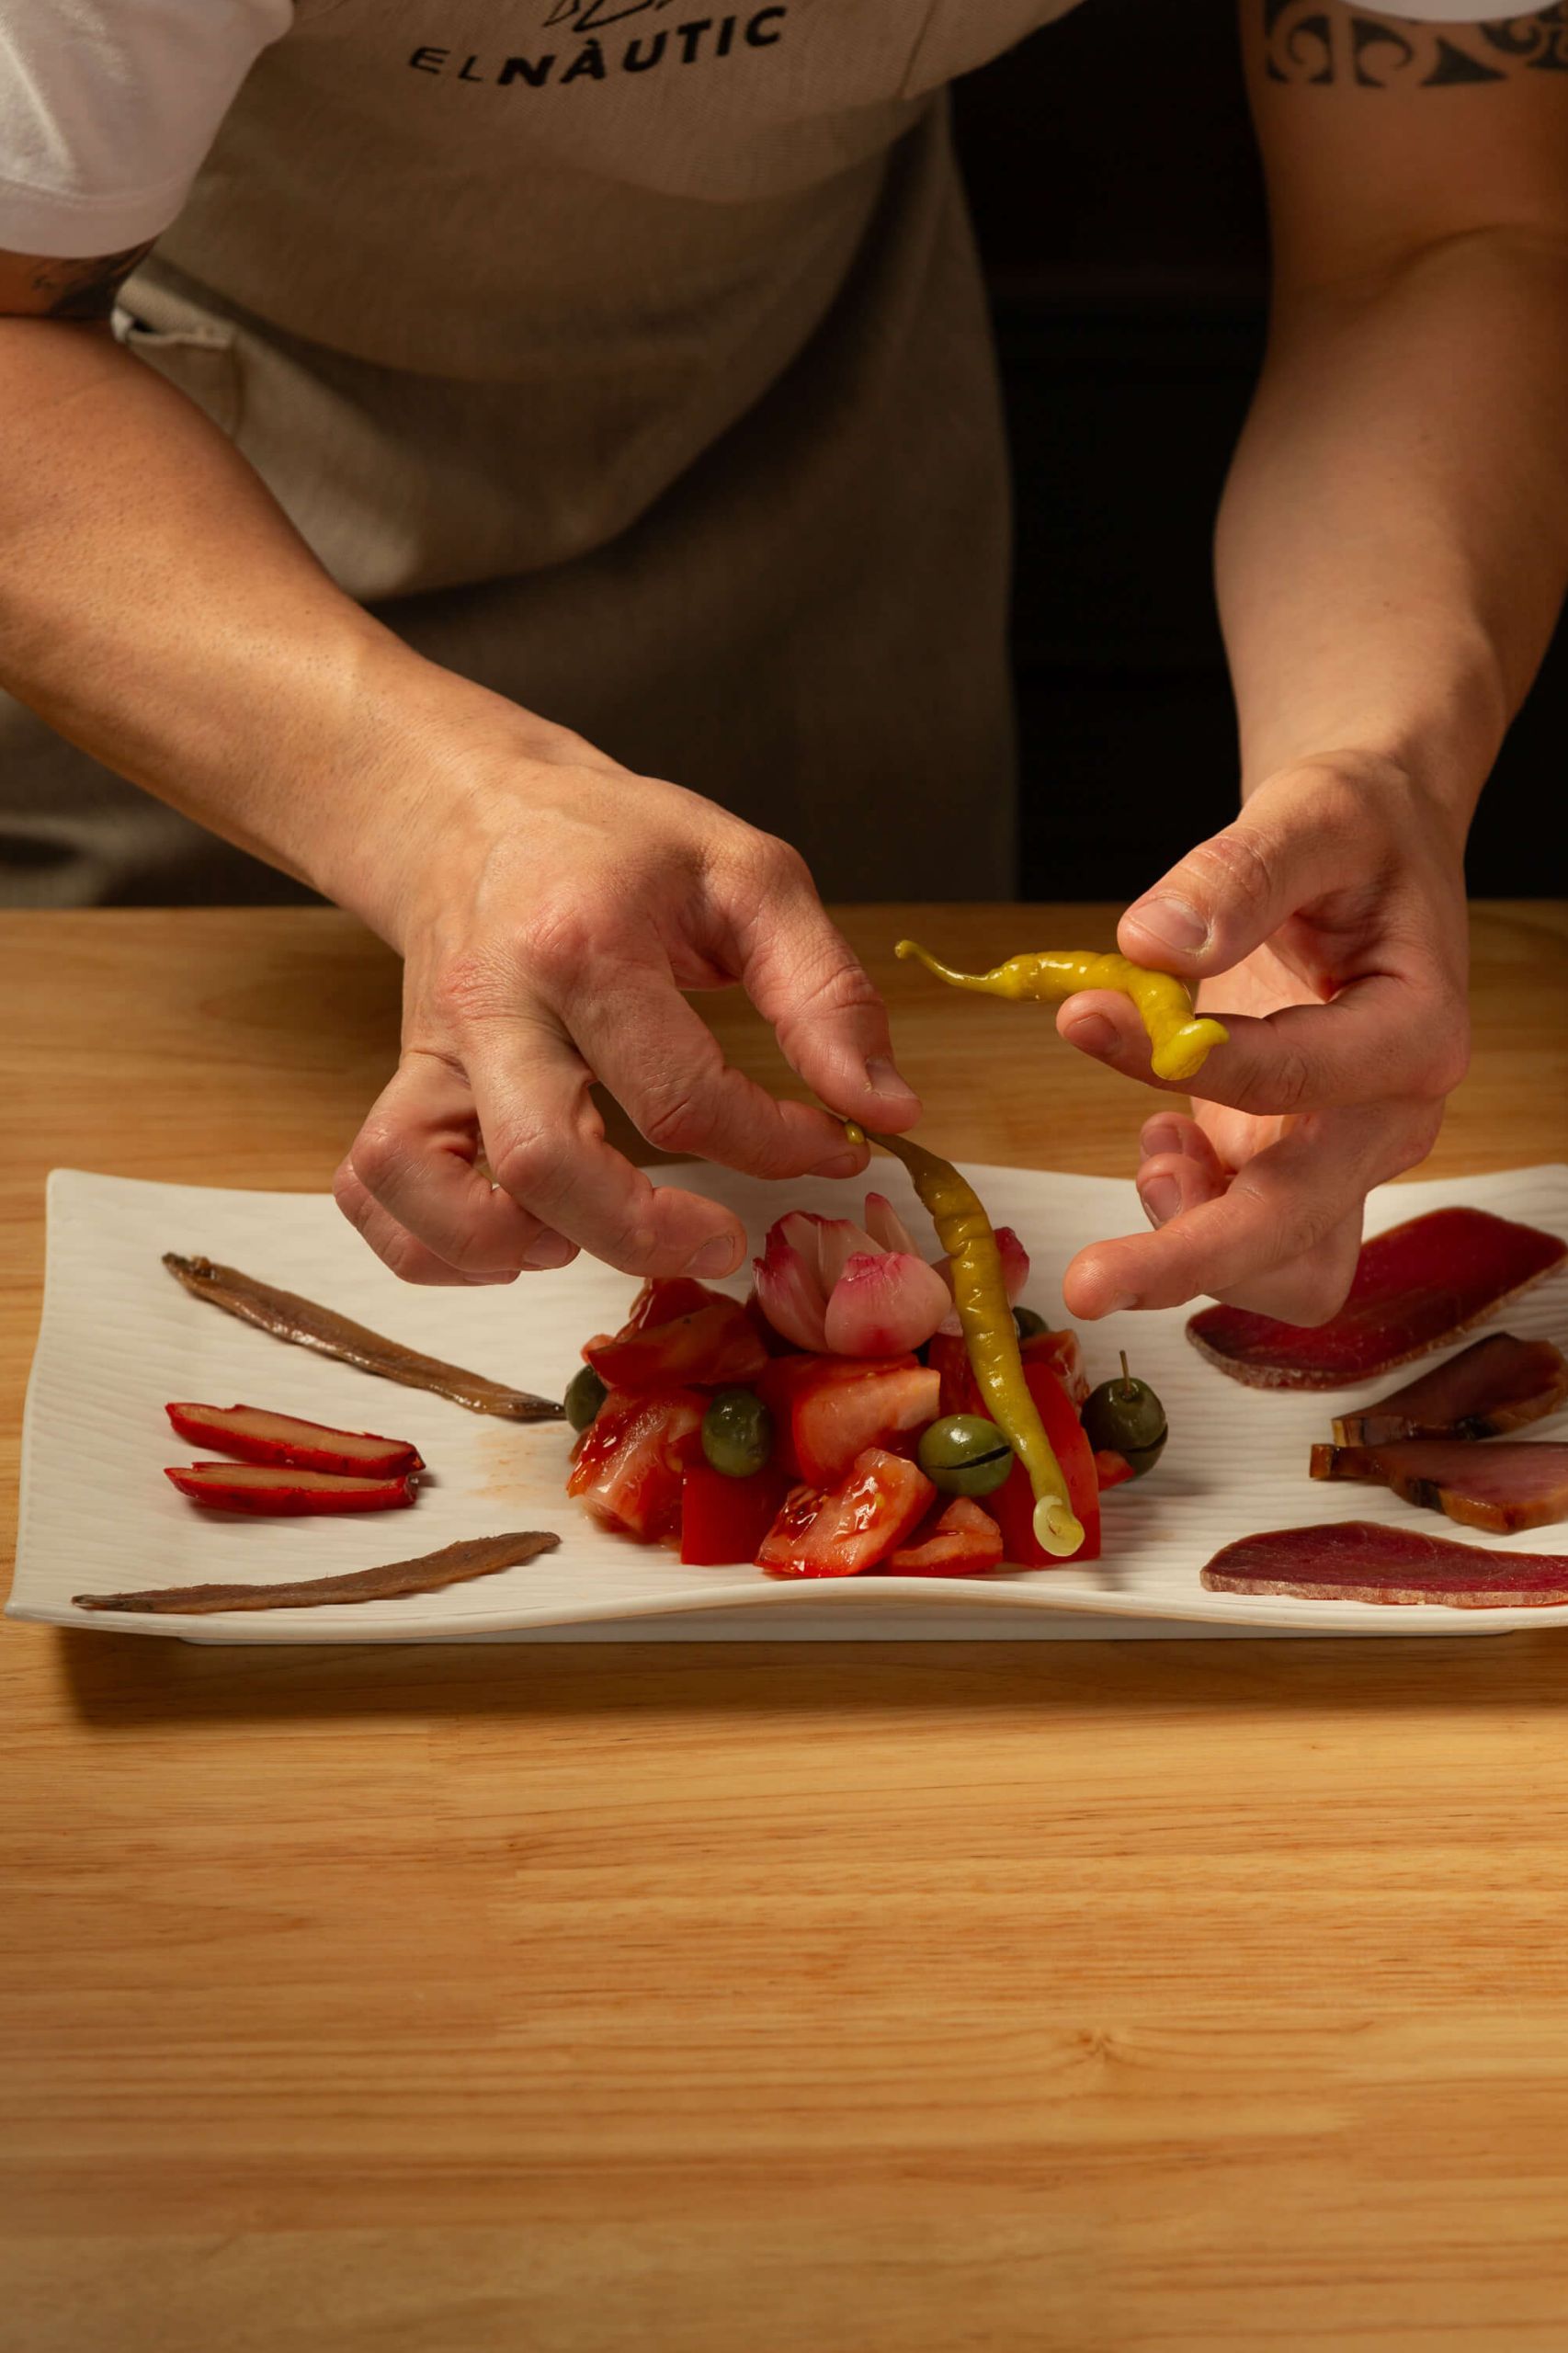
(1118,198)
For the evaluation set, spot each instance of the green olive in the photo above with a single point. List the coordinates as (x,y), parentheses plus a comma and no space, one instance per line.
(737,1433)
(1030,1323)
(586,1393)
(964,1454)
(1126,1416)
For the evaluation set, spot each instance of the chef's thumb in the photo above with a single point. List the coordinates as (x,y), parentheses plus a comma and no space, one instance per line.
(1231,893)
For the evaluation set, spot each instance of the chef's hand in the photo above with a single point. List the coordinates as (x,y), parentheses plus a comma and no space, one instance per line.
(1327,926)
(548,923)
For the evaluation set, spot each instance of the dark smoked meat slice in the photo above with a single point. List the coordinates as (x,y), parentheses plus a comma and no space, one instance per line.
(1415,1286)
(289,1317)
(1353,1560)
(1505,1486)
(476,1557)
(1494,1385)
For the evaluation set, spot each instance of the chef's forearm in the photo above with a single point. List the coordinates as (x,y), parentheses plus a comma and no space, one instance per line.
(1393,540)
(157,607)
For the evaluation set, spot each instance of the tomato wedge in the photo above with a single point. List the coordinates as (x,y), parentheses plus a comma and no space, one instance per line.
(679,1332)
(1012,1506)
(1111,1470)
(949,1358)
(723,1519)
(827,1409)
(628,1466)
(962,1541)
(851,1528)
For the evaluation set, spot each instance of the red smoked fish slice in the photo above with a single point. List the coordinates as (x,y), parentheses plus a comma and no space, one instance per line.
(276,1489)
(1414,1288)
(1505,1486)
(256,1436)
(1494,1385)
(1353,1560)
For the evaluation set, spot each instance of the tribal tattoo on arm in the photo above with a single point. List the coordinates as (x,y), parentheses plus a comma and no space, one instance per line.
(1306,42)
(36,286)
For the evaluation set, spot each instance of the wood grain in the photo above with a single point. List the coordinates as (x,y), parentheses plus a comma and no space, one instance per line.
(1161,1997)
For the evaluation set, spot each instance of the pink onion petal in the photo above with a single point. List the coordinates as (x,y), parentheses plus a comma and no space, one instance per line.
(789,1286)
(1015,1275)
(885,1226)
(839,1239)
(885,1303)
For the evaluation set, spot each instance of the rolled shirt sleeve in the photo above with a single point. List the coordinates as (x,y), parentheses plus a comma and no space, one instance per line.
(108,108)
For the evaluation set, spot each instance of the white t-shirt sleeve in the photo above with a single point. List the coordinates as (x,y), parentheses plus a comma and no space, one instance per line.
(108,108)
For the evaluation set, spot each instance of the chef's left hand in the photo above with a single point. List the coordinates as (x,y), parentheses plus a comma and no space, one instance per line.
(1327,926)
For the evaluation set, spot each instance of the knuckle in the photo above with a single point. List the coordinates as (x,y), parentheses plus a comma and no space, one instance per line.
(780,864)
(405,1256)
(631,1244)
(1237,864)
(528,1163)
(1283,1086)
(672,1121)
(561,943)
(379,1156)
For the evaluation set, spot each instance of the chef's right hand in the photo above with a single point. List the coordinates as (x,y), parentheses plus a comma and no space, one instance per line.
(550,920)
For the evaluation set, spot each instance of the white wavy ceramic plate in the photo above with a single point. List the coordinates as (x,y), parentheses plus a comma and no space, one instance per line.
(120,1336)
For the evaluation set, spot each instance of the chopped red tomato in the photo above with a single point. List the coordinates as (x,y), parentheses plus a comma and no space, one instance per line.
(827,1409)
(725,1519)
(850,1527)
(629,1463)
(1112,1470)
(679,1331)
(962,1541)
(1012,1505)
(1061,1351)
(949,1358)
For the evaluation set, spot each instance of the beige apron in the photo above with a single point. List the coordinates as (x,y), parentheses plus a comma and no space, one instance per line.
(634,364)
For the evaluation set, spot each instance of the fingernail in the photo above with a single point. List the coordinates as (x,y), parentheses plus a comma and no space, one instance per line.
(1120,1304)
(548,1250)
(719,1256)
(1093,1035)
(1172,923)
(1161,1197)
(840,1163)
(884,1080)
(1160,1135)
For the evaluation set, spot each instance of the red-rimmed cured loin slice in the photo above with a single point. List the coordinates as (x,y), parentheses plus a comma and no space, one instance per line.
(1415,1286)
(1354,1560)
(1505,1486)
(1494,1385)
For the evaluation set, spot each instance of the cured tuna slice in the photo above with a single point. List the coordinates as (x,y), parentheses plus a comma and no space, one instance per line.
(1353,1560)
(1494,1385)
(1414,1288)
(1505,1486)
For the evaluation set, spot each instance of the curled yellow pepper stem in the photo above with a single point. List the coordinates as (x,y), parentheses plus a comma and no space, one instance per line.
(980,1294)
(1180,1038)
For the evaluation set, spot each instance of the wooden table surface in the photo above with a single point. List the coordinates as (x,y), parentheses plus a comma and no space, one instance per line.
(713,1999)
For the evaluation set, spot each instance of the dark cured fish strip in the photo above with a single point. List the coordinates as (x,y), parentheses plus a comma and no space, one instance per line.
(300,1321)
(476,1557)
(1414,1288)
(1506,1486)
(1353,1560)
(1493,1386)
